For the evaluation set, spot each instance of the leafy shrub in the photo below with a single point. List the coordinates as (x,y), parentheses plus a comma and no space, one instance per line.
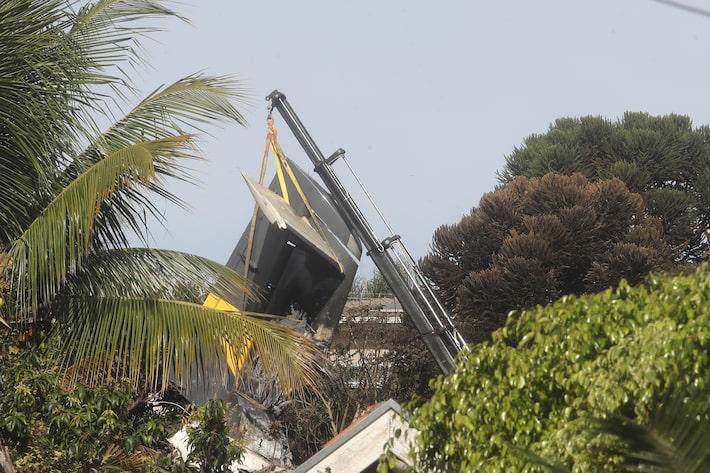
(210,446)
(546,373)
(52,427)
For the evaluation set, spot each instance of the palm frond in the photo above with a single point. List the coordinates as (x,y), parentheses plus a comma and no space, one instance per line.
(675,440)
(41,81)
(107,33)
(104,15)
(148,272)
(58,240)
(189,102)
(535,459)
(155,341)
(117,459)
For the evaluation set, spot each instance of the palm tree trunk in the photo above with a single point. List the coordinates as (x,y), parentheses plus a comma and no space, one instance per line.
(5,460)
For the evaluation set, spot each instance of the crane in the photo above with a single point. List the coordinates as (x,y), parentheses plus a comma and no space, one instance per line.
(390,255)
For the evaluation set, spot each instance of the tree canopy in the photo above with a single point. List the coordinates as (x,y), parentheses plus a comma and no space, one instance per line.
(548,373)
(73,196)
(663,158)
(538,239)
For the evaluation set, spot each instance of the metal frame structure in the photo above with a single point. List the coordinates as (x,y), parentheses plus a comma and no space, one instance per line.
(390,255)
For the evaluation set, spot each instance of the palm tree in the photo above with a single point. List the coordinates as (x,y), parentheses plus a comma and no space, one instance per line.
(71,197)
(674,439)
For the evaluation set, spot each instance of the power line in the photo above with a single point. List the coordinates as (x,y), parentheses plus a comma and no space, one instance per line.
(683,6)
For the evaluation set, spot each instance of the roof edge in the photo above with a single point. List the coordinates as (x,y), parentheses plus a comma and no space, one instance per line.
(320,455)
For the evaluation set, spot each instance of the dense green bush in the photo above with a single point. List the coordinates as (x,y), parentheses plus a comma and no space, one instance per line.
(547,372)
(53,427)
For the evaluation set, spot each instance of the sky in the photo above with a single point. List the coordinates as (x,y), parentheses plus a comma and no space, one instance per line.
(427,98)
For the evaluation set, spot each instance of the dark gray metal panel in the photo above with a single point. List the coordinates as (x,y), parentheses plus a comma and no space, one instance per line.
(272,251)
(278,212)
(288,270)
(322,203)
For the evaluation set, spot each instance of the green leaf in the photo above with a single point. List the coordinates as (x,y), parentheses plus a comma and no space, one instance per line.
(58,240)
(150,272)
(159,340)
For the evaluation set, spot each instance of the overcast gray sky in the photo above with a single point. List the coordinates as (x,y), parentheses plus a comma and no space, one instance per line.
(427,98)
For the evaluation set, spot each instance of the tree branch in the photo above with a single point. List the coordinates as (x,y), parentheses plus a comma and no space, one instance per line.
(6,460)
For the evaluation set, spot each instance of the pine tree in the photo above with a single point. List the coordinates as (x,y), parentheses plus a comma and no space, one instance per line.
(538,239)
(663,158)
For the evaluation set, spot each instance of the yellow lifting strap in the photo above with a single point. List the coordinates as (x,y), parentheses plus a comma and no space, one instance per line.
(236,362)
(281,165)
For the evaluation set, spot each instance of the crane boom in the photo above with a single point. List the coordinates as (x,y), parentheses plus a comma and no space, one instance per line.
(389,255)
